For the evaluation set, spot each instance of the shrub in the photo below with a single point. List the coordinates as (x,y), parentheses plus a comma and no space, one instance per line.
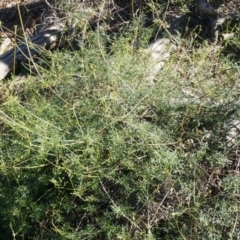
(91,150)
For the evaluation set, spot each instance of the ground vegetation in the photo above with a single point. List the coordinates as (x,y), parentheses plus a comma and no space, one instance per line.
(90,148)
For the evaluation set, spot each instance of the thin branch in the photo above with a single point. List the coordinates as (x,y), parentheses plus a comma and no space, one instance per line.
(115,205)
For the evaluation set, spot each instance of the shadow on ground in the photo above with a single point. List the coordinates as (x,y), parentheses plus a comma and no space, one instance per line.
(10,17)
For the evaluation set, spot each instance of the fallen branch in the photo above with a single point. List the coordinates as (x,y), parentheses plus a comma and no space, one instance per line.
(25,51)
(216,25)
(216,19)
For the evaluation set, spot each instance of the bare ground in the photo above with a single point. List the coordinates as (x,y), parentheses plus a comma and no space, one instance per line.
(47,11)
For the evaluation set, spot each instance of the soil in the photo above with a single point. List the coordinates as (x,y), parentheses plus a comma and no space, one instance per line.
(46,12)
(227,6)
(11,15)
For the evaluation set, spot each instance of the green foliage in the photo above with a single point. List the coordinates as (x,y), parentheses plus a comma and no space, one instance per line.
(91,150)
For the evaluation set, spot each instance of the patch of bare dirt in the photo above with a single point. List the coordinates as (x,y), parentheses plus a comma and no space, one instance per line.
(227,6)
(26,16)
(45,12)
(10,13)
